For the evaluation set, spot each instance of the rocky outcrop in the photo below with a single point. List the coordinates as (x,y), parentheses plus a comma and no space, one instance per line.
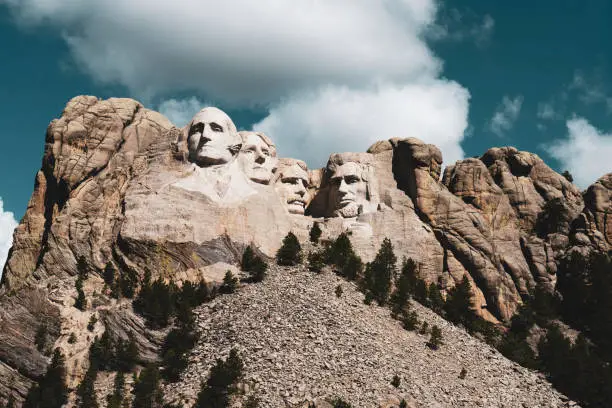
(122,186)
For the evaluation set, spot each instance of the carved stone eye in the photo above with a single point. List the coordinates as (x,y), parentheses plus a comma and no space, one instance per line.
(216,127)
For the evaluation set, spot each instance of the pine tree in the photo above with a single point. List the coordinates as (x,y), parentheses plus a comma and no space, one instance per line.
(352,267)
(315,261)
(109,275)
(115,399)
(82,268)
(290,252)
(253,264)
(396,381)
(403,287)
(463,374)
(410,320)
(86,391)
(220,386)
(230,282)
(51,390)
(315,233)
(458,306)
(568,176)
(147,393)
(380,272)
(40,339)
(435,341)
(80,302)
(339,251)
(91,325)
(436,302)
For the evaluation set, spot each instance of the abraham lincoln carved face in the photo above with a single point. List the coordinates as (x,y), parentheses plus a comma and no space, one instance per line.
(351,191)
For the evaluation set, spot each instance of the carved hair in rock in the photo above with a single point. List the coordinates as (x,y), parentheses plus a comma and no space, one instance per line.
(181,147)
(286,164)
(244,134)
(365,162)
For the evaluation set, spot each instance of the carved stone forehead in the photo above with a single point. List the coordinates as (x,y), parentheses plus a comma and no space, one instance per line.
(292,168)
(348,163)
(348,169)
(212,114)
(249,137)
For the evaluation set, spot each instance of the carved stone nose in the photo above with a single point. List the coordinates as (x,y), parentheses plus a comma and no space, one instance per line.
(260,159)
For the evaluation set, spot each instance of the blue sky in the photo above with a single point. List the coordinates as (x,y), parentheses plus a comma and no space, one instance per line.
(319,77)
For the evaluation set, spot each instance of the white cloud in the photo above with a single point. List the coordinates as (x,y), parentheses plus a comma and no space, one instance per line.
(7,225)
(591,89)
(585,153)
(337,119)
(181,111)
(506,115)
(303,60)
(546,111)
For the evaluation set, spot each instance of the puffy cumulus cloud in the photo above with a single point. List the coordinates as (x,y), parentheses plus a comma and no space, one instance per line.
(337,119)
(180,111)
(506,115)
(341,73)
(585,153)
(7,225)
(239,51)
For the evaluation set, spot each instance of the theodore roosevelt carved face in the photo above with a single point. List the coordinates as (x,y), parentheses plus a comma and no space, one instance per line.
(257,157)
(292,183)
(212,138)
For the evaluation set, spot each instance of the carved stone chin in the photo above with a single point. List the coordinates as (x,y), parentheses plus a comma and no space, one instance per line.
(292,182)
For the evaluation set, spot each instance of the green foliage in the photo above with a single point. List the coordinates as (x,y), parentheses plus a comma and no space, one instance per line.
(230,283)
(252,402)
(316,261)
(396,381)
(51,390)
(175,350)
(516,348)
(463,374)
(40,338)
(435,300)
(80,302)
(108,354)
(127,284)
(352,267)
(86,391)
(568,176)
(424,328)
(147,393)
(403,404)
(339,291)
(221,383)
(290,252)
(92,322)
(155,302)
(315,233)
(116,399)
(72,338)
(380,272)
(435,341)
(253,264)
(410,320)
(82,268)
(403,287)
(339,251)
(109,275)
(338,402)
(458,306)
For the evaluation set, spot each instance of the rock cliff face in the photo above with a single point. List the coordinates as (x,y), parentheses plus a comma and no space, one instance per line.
(122,186)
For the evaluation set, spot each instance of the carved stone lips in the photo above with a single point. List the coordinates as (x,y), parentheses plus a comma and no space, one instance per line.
(298,202)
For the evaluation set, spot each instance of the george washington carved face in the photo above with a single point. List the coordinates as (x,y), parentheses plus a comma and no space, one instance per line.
(292,183)
(257,157)
(212,138)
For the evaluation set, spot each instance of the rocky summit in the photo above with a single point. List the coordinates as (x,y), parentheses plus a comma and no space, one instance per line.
(121,189)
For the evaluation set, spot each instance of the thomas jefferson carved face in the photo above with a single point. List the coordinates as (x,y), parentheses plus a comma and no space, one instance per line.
(257,157)
(212,138)
(348,194)
(292,185)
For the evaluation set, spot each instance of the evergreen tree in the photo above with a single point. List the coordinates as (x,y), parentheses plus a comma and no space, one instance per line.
(86,390)
(380,272)
(410,320)
(404,286)
(339,291)
(253,264)
(463,374)
(316,261)
(82,268)
(91,325)
(252,402)
(396,381)
(421,292)
(458,306)
(51,390)
(220,386)
(147,393)
(80,302)
(339,251)
(115,400)
(230,283)
(40,339)
(436,302)
(156,302)
(435,341)
(109,275)
(352,267)
(127,283)
(568,176)
(340,403)
(290,252)
(315,233)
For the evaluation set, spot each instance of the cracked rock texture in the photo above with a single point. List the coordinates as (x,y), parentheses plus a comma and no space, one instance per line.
(106,192)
